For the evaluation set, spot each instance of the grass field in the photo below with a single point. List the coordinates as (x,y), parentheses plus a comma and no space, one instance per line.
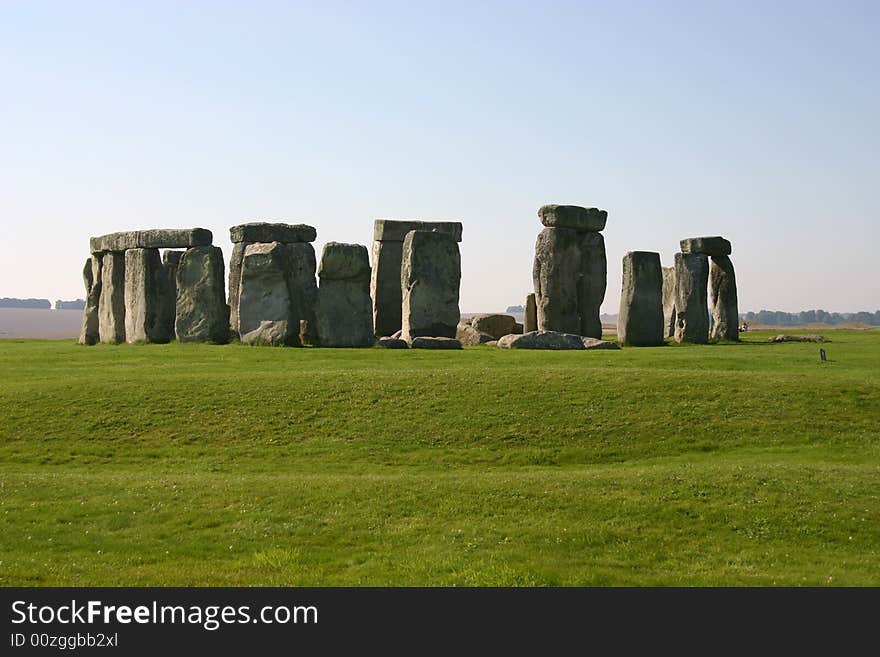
(749,464)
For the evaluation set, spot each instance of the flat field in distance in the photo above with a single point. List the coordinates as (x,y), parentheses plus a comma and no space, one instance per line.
(740,464)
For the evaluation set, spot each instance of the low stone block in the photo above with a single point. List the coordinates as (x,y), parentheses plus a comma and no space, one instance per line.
(426,342)
(495,325)
(392,343)
(551,340)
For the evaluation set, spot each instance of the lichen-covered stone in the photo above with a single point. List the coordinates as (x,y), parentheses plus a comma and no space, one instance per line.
(556,273)
(145,290)
(552,340)
(201,311)
(344,312)
(640,319)
(593,343)
(111,305)
(154,238)
(265,306)
(430,276)
(469,336)
(668,302)
(392,343)
(89,332)
(725,305)
(530,318)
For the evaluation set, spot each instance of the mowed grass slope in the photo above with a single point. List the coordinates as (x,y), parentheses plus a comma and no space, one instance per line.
(749,464)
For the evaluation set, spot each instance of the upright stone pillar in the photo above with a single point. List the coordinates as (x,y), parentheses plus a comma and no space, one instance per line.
(668,302)
(429,277)
(691,302)
(90,333)
(145,292)
(570,270)
(725,305)
(265,305)
(170,265)
(385,289)
(236,261)
(640,321)
(202,314)
(344,311)
(530,317)
(111,306)
(303,289)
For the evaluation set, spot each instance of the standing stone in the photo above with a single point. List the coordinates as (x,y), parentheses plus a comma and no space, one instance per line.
(530,319)
(387,255)
(235,263)
(89,333)
(266,308)
(202,314)
(429,277)
(691,298)
(725,306)
(640,321)
(556,274)
(344,311)
(145,292)
(170,264)
(668,302)
(303,290)
(111,306)
(592,283)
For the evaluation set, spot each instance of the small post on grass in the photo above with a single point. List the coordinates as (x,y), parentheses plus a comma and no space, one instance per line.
(822,355)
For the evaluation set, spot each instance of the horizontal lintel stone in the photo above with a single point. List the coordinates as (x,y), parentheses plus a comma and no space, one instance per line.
(393,230)
(155,238)
(272,232)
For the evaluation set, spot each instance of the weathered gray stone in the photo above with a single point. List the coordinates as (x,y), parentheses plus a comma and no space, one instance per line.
(593,343)
(265,306)
(392,343)
(429,277)
(722,293)
(803,337)
(90,332)
(111,305)
(201,311)
(592,283)
(303,289)
(518,328)
(385,287)
(530,319)
(170,264)
(469,336)
(425,342)
(553,340)
(691,298)
(711,246)
(668,302)
(466,320)
(556,274)
(393,230)
(155,238)
(146,289)
(640,320)
(573,216)
(235,263)
(261,231)
(495,325)
(345,317)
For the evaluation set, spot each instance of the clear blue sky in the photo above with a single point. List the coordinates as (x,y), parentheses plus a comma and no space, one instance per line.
(758,121)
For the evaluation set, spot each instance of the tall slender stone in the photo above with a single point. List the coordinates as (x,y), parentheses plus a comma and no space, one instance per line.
(530,318)
(592,283)
(344,311)
(235,264)
(668,302)
(722,292)
(202,314)
(111,306)
(170,265)
(145,291)
(429,277)
(640,321)
(557,272)
(691,298)
(303,290)
(90,333)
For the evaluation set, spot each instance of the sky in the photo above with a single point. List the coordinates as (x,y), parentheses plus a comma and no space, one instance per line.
(758,121)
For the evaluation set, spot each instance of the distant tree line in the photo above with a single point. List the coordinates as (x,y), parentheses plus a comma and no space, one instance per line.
(7,302)
(779,318)
(76,304)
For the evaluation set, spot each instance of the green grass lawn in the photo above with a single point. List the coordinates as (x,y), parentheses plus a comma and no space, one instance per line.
(749,464)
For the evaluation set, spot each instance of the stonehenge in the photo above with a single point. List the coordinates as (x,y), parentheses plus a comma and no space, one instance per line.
(570,270)
(430,275)
(640,320)
(134,295)
(385,281)
(299,271)
(345,311)
(703,268)
(265,307)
